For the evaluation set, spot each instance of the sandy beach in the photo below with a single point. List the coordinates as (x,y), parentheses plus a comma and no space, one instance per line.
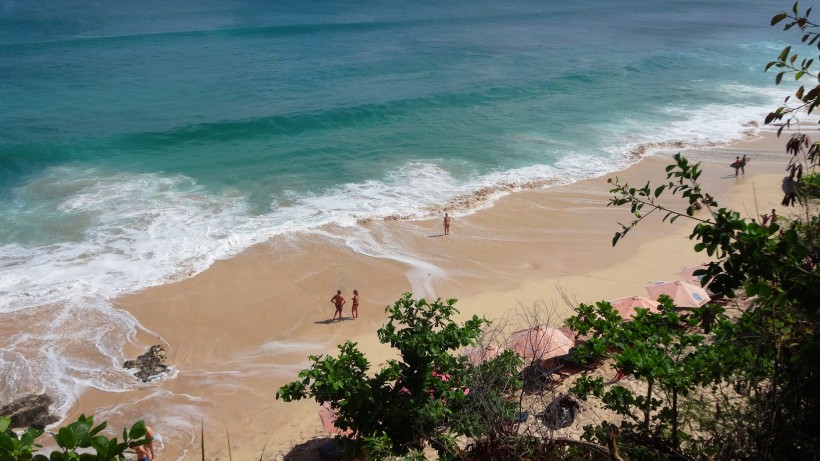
(245,326)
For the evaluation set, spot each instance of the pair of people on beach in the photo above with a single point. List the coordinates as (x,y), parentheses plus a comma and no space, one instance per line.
(740,164)
(339,301)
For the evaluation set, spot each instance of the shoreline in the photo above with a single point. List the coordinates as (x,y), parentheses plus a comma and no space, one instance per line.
(242,328)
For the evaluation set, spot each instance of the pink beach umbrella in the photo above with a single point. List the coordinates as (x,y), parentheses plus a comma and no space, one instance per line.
(541,342)
(482,354)
(683,294)
(328,417)
(626,305)
(688,273)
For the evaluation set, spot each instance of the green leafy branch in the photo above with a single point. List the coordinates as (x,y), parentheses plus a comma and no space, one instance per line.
(685,183)
(419,400)
(79,441)
(787,64)
(663,349)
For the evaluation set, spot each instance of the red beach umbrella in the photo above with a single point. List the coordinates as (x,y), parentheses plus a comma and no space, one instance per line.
(687,274)
(683,294)
(482,354)
(541,342)
(626,305)
(328,417)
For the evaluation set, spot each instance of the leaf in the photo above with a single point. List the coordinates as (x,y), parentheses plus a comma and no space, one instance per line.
(659,190)
(138,430)
(65,438)
(779,17)
(778,78)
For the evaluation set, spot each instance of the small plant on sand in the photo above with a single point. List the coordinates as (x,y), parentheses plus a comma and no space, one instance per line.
(410,403)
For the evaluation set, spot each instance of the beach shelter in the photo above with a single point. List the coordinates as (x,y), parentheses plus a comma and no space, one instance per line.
(687,274)
(626,306)
(328,417)
(541,342)
(683,294)
(482,354)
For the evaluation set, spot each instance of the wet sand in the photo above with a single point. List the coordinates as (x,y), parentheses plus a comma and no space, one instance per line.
(245,326)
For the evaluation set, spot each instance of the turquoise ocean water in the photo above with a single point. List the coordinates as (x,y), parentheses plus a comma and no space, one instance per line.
(141,141)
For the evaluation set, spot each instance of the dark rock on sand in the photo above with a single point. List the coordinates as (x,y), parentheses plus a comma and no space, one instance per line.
(149,364)
(561,411)
(29,411)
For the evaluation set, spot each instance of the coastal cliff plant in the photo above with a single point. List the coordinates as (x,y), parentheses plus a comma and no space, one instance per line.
(765,400)
(804,155)
(420,400)
(78,441)
(665,350)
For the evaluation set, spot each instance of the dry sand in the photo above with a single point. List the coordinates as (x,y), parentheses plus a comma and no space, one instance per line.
(245,326)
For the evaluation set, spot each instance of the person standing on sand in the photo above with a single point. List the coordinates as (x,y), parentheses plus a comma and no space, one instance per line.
(742,165)
(339,301)
(736,165)
(446,224)
(355,308)
(145,452)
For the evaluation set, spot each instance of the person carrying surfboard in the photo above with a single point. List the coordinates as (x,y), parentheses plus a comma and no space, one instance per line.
(740,164)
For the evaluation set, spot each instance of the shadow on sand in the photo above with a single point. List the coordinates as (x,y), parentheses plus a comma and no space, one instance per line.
(330,321)
(309,451)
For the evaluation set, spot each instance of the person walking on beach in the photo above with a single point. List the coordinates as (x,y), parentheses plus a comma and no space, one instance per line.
(742,165)
(338,300)
(446,224)
(736,165)
(355,308)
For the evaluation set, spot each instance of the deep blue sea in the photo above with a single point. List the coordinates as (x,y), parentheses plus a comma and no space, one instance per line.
(141,141)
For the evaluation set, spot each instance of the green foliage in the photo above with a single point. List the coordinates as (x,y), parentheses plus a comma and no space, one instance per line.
(805,154)
(665,350)
(14,447)
(491,383)
(769,355)
(419,400)
(79,441)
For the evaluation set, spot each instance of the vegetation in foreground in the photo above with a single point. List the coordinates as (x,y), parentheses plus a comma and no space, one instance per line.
(80,440)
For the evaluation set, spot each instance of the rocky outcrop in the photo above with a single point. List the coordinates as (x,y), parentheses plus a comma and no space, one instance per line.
(29,411)
(149,364)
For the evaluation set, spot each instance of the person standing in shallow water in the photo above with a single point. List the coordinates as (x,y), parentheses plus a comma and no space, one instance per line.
(355,308)
(145,452)
(446,224)
(339,301)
